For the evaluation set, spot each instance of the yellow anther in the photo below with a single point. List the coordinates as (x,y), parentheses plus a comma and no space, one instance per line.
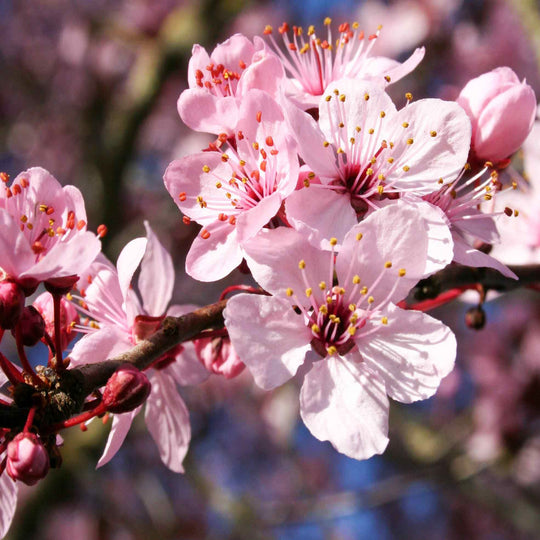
(408,96)
(341,125)
(322,285)
(69,296)
(331,350)
(302,264)
(387,78)
(333,241)
(371,300)
(304,49)
(406,168)
(359,236)
(381,177)
(356,279)
(309,292)
(363,290)
(242,162)
(218,184)
(384,320)
(329,300)
(328,97)
(307,183)
(24,218)
(433,133)
(401,272)
(383,114)
(326,144)
(315,328)
(358,129)
(371,131)
(516,213)
(342,97)
(405,124)
(311,30)
(255,145)
(224,157)
(340,150)
(488,197)
(206,168)
(440,181)
(327,21)
(352,307)
(410,141)
(289,291)
(43,207)
(351,330)
(323,309)
(390,160)
(380,190)
(354,318)
(369,171)
(352,140)
(366,96)
(388,264)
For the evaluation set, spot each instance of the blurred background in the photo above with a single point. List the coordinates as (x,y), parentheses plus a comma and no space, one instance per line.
(88,90)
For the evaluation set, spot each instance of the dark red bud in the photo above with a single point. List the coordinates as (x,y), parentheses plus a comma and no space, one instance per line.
(475,318)
(32,326)
(61,285)
(126,389)
(27,459)
(11,304)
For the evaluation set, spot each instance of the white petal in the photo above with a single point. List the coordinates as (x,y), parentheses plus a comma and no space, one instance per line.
(8,502)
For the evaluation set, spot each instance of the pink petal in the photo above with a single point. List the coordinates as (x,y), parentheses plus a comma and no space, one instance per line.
(251,221)
(212,258)
(8,502)
(128,262)
(17,256)
(156,280)
(120,427)
(105,343)
(345,403)
(268,336)
(265,74)
(468,256)
(396,234)
(412,353)
(320,214)
(202,111)
(167,420)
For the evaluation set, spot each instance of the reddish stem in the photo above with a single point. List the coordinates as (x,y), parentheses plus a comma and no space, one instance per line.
(24,360)
(245,288)
(79,419)
(11,372)
(29,420)
(432,303)
(57,333)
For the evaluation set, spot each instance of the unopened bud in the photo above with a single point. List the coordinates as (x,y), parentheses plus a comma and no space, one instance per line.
(475,318)
(218,356)
(27,459)
(126,389)
(31,326)
(11,304)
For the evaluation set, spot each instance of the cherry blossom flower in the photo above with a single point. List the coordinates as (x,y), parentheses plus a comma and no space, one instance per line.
(356,346)
(43,232)
(218,83)
(119,321)
(314,63)
(502,110)
(364,153)
(458,202)
(235,193)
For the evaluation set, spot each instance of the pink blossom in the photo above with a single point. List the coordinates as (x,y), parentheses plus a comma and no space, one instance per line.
(218,356)
(218,83)
(43,230)
(11,304)
(365,153)
(119,320)
(357,345)
(235,193)
(502,111)
(27,459)
(314,63)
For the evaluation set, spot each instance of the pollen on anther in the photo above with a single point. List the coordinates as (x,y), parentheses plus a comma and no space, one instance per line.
(363,290)
(408,96)
(359,236)
(302,264)
(387,78)
(342,98)
(206,168)
(333,241)
(380,190)
(383,114)
(356,279)
(388,264)
(366,96)
(370,300)
(315,328)
(390,160)
(352,307)
(433,133)
(322,285)
(401,272)
(182,196)
(328,97)
(326,144)
(384,320)
(351,330)
(331,350)
(371,131)
(309,292)
(406,168)
(410,141)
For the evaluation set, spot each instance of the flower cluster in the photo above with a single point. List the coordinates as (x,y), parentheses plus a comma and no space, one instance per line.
(336,200)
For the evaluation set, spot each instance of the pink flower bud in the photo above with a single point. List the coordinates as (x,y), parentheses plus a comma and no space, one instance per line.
(68,317)
(218,356)
(27,459)
(32,326)
(502,111)
(11,304)
(126,389)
